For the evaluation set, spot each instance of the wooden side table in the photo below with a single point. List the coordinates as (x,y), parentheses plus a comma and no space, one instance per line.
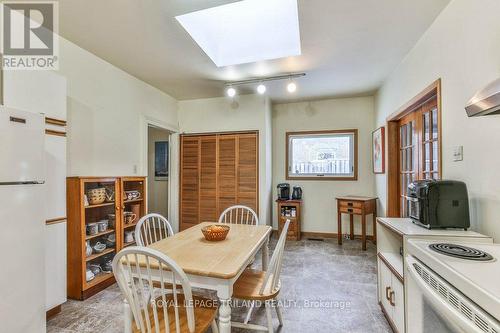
(290,210)
(357,205)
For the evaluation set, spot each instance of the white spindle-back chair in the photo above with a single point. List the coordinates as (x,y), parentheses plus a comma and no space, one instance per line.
(239,215)
(159,309)
(267,283)
(152,228)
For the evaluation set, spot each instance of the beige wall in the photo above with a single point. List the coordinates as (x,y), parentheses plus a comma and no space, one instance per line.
(253,112)
(157,189)
(319,207)
(107,114)
(462,47)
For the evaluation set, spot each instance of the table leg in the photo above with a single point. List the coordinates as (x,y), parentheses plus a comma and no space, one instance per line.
(351,226)
(265,255)
(225,316)
(363,231)
(128,317)
(339,227)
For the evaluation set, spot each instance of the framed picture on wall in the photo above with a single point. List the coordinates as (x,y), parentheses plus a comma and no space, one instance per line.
(161,160)
(378,150)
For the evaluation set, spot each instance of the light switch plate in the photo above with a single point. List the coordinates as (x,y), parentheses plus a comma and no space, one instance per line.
(458,153)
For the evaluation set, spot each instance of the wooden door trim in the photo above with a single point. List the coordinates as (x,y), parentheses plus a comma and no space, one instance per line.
(393,200)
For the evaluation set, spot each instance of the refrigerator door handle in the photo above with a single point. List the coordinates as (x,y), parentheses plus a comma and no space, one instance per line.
(23,183)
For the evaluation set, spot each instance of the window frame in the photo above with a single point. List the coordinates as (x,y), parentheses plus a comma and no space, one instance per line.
(353,132)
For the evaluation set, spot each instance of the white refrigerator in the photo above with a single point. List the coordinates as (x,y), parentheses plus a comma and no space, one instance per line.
(22,237)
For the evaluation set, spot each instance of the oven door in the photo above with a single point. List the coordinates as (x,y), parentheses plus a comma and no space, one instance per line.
(436,306)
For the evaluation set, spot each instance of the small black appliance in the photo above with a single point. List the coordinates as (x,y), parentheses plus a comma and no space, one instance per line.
(284,191)
(297,193)
(439,204)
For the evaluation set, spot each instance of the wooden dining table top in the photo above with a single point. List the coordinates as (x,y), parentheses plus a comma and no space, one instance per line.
(222,259)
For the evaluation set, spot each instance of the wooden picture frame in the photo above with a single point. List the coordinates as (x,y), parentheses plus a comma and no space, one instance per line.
(378,150)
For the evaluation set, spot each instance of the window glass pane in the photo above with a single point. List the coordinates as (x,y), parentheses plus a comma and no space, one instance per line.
(408,159)
(435,175)
(427,156)
(426,126)
(435,156)
(403,160)
(434,124)
(403,135)
(322,155)
(403,184)
(409,134)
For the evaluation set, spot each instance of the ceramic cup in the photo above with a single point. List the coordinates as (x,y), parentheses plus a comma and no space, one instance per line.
(129,236)
(129,217)
(89,276)
(102,225)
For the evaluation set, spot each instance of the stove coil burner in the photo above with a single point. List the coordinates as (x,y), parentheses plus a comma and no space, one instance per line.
(462,252)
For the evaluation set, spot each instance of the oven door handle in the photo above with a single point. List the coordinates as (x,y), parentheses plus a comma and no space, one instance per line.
(454,317)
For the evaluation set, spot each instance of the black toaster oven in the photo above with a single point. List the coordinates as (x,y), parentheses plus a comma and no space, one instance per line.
(436,204)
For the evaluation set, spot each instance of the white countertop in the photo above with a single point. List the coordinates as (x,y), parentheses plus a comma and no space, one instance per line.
(404,226)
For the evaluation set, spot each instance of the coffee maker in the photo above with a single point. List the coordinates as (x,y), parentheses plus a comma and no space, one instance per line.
(283,191)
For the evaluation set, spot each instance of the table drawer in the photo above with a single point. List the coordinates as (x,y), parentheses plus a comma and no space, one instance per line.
(349,210)
(351,204)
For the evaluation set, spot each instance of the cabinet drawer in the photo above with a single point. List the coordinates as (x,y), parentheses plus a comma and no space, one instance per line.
(351,204)
(350,210)
(291,227)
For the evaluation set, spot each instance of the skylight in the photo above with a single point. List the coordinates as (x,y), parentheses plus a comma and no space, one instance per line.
(246,31)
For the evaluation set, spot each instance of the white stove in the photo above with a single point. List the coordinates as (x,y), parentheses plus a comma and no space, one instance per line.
(453,287)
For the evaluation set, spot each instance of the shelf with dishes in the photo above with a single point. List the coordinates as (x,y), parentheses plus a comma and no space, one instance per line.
(102,213)
(134,207)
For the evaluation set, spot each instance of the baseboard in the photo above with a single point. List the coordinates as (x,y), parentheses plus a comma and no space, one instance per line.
(52,312)
(308,234)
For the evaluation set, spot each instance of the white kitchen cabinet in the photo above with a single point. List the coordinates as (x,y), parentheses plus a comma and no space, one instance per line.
(392,238)
(391,296)
(398,304)
(55,181)
(55,264)
(36,91)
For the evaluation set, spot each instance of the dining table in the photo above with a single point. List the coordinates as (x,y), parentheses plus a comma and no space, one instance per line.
(213,265)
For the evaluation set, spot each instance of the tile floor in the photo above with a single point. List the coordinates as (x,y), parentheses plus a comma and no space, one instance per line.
(326,288)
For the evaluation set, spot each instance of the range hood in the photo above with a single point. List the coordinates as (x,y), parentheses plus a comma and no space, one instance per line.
(486,101)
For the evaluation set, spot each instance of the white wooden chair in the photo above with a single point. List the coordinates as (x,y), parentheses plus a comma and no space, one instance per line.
(254,285)
(239,215)
(157,310)
(152,228)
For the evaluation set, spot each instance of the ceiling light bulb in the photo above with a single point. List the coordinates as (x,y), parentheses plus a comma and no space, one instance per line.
(261,89)
(231,92)
(291,87)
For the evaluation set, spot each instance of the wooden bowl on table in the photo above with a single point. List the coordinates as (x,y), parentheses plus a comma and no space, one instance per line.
(215,232)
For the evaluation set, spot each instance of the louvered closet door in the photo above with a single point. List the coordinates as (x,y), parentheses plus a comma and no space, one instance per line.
(217,171)
(247,170)
(227,181)
(208,179)
(190,176)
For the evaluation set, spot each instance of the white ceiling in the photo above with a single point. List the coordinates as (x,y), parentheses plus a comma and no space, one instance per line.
(348,46)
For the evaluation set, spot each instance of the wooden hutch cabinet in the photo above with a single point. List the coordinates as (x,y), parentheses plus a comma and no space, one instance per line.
(290,210)
(124,205)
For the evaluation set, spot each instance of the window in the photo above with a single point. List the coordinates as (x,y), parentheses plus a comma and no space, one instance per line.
(328,155)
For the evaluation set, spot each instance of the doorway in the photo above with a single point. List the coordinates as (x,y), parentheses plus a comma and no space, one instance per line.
(158,170)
